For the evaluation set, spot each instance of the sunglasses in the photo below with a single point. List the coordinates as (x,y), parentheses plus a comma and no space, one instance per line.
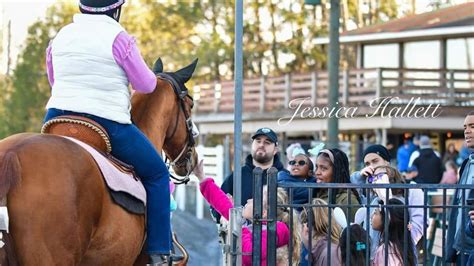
(300,163)
(375,177)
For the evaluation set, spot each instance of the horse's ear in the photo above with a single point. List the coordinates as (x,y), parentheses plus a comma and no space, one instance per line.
(158,66)
(186,73)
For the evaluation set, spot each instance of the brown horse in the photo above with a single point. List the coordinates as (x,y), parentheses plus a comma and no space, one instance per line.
(60,210)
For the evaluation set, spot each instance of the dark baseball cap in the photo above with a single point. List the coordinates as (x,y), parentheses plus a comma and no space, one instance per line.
(268,132)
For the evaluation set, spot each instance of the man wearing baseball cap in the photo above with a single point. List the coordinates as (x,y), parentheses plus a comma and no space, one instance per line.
(264,154)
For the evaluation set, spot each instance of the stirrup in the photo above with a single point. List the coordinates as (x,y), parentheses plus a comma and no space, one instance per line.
(176,257)
(159,260)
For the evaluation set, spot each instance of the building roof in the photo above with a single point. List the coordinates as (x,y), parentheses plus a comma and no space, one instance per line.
(452,22)
(455,16)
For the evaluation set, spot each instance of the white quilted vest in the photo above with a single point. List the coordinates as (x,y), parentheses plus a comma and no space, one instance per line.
(87,78)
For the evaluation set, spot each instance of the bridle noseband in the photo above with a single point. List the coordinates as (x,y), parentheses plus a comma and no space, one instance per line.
(184,158)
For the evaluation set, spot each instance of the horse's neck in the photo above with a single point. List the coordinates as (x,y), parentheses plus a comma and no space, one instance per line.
(152,113)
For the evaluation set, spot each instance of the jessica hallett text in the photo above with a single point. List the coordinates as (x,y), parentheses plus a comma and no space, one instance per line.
(382,106)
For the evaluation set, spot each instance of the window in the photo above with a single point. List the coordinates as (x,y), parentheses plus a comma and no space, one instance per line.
(381,55)
(425,54)
(460,53)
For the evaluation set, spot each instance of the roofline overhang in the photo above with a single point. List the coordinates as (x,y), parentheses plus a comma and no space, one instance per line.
(403,36)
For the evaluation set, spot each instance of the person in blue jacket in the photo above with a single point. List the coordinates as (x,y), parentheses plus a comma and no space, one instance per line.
(301,171)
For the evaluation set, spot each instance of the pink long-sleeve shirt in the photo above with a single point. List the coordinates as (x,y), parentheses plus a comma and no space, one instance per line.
(222,204)
(126,55)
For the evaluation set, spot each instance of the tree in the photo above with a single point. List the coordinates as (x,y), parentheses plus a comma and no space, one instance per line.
(278,37)
(25,101)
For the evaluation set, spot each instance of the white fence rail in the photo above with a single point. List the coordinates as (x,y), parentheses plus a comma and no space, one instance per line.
(188,197)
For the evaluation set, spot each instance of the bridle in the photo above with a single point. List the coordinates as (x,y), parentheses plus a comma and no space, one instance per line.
(184,158)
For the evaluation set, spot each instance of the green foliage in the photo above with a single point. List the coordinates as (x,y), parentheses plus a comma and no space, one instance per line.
(278,38)
(24,102)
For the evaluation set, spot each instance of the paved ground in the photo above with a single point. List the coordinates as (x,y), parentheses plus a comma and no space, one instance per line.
(199,237)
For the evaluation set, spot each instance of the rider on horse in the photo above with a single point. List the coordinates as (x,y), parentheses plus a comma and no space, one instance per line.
(90,64)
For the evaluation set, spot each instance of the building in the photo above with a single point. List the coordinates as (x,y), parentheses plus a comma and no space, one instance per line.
(423,63)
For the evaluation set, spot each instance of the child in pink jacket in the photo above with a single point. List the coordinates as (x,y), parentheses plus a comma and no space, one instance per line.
(222,204)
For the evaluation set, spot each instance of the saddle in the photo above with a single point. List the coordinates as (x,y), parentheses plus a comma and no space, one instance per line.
(122,182)
(87,131)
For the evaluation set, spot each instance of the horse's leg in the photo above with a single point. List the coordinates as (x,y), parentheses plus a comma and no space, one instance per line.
(118,237)
(54,207)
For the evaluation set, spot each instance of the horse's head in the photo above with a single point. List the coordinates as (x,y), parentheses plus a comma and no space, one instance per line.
(165,117)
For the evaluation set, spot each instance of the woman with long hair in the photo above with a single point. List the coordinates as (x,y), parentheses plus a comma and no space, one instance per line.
(322,233)
(357,245)
(395,235)
(332,166)
(389,175)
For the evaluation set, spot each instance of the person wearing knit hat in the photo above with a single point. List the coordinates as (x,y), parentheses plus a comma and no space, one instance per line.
(380,150)
(374,156)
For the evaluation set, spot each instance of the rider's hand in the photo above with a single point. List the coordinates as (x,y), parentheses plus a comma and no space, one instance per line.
(199,170)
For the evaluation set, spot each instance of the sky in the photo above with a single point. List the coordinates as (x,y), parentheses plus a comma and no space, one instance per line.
(23,13)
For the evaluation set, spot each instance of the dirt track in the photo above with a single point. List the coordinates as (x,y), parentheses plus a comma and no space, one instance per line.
(199,237)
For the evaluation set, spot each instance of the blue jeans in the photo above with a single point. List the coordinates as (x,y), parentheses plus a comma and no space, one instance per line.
(131,146)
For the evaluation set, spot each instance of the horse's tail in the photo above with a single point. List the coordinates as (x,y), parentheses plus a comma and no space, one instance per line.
(9,171)
(9,177)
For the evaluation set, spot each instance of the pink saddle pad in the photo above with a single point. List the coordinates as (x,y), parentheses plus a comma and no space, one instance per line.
(115,179)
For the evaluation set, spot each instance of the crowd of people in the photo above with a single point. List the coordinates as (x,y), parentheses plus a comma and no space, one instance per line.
(317,234)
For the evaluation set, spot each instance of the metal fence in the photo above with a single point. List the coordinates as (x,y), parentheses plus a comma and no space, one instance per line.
(436,206)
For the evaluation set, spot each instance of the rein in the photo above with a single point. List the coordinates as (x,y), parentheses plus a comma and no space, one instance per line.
(186,151)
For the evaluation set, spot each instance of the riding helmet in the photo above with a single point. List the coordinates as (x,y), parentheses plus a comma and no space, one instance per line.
(107,7)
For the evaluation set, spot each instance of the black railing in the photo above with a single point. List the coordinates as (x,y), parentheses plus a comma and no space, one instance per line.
(434,212)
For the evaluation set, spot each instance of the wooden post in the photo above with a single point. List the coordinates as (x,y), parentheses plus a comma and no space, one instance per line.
(217,96)
(287,89)
(262,94)
(314,88)
(451,91)
(378,88)
(345,88)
